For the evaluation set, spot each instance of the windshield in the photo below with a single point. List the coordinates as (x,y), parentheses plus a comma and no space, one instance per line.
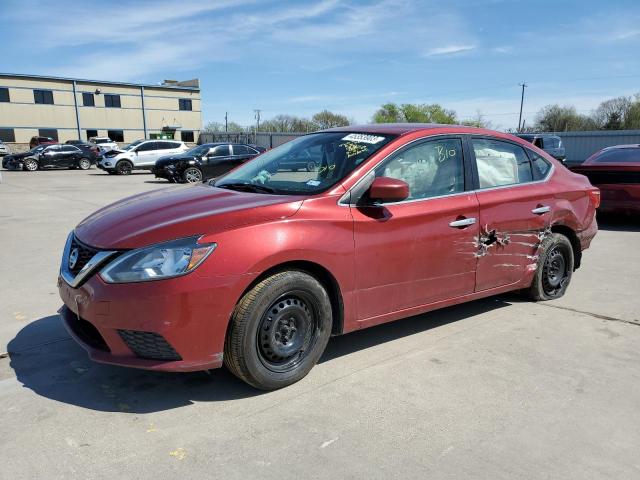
(198,151)
(307,165)
(101,140)
(134,144)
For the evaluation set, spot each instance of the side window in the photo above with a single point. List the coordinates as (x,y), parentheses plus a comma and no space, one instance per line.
(539,165)
(431,169)
(221,151)
(240,150)
(164,145)
(500,163)
(147,147)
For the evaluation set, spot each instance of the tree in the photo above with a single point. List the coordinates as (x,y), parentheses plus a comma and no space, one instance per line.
(414,113)
(554,118)
(218,127)
(327,119)
(611,114)
(478,121)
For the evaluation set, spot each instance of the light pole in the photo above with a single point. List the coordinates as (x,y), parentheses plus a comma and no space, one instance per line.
(257,117)
(523,85)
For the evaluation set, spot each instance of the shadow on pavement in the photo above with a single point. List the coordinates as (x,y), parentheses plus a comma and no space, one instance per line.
(47,361)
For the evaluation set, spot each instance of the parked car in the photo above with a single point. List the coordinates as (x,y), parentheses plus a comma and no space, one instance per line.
(552,144)
(140,155)
(90,149)
(259,268)
(4,149)
(616,172)
(35,141)
(57,156)
(203,162)
(15,161)
(105,144)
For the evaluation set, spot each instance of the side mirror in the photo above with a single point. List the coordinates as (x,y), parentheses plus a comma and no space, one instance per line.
(385,189)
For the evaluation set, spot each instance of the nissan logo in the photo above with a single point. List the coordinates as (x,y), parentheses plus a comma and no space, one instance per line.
(73,258)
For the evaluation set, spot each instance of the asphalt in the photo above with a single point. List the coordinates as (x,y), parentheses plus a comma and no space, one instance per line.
(499,388)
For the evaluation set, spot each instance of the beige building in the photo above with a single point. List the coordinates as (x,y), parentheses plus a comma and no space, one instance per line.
(70,109)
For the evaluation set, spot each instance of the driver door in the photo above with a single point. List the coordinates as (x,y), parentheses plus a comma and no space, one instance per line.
(146,154)
(420,250)
(219,161)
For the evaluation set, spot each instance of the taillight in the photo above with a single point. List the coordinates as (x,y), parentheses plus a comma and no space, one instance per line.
(594,197)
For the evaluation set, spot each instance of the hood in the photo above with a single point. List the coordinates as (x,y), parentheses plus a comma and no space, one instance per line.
(162,161)
(177,212)
(21,155)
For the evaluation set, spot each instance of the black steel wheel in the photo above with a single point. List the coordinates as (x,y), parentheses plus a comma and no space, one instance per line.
(278,330)
(124,167)
(554,270)
(192,175)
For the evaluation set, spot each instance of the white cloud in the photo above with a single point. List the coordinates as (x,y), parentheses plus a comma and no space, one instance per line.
(448,50)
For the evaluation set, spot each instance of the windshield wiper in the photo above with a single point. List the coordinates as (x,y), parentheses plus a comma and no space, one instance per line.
(247,187)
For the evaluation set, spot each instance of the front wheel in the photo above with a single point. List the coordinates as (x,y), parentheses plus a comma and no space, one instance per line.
(84,164)
(30,165)
(278,330)
(555,266)
(124,167)
(192,175)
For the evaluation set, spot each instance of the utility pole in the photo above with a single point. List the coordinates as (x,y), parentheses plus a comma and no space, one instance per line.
(523,85)
(226,122)
(257,117)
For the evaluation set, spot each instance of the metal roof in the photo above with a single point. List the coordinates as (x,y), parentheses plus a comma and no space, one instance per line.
(100,82)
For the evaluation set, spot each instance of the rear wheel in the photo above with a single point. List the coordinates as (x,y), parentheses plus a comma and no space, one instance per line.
(555,267)
(84,164)
(192,175)
(30,165)
(278,330)
(124,167)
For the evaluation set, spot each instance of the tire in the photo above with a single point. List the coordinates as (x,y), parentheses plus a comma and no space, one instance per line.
(555,267)
(290,305)
(192,175)
(124,167)
(30,165)
(311,166)
(111,172)
(84,164)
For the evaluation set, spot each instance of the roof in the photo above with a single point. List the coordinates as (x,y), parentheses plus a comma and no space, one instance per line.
(397,128)
(614,147)
(104,82)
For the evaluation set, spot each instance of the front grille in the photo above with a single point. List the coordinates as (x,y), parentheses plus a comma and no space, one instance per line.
(86,332)
(149,345)
(85,253)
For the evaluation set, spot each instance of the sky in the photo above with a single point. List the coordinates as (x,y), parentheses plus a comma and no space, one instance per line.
(350,57)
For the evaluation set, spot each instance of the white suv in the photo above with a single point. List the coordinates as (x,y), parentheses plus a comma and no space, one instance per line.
(139,155)
(105,144)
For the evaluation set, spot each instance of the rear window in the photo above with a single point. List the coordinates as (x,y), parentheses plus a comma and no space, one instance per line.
(619,155)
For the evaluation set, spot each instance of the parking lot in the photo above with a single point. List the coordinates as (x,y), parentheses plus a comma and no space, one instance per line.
(497,388)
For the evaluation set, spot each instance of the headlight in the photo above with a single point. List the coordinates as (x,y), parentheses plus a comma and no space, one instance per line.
(164,260)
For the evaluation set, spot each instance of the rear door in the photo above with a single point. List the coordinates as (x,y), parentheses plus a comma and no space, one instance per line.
(68,156)
(420,250)
(516,205)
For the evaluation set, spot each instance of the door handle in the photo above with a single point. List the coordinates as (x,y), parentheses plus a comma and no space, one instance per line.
(541,209)
(463,222)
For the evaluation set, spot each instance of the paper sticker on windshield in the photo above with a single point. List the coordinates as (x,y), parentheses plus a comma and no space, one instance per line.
(363,138)
(313,183)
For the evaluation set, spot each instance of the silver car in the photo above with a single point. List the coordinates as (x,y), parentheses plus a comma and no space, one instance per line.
(4,149)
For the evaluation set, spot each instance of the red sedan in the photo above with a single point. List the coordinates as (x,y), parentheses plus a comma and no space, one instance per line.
(616,172)
(257,270)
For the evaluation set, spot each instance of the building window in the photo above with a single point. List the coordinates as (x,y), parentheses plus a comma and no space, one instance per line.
(88,100)
(43,96)
(185,104)
(116,135)
(7,135)
(112,101)
(91,134)
(48,132)
(4,94)
(186,136)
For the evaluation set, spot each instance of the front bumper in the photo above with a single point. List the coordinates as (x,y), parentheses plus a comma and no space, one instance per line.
(167,172)
(190,313)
